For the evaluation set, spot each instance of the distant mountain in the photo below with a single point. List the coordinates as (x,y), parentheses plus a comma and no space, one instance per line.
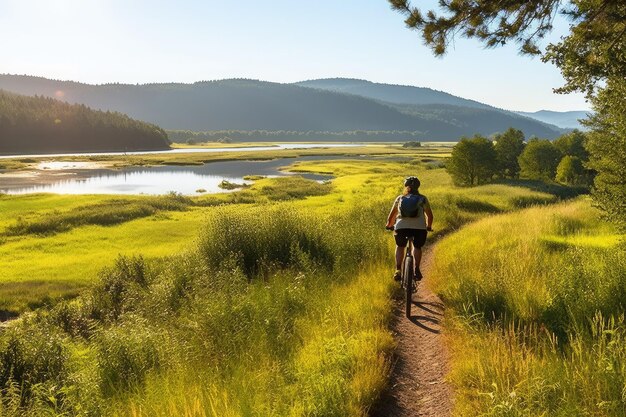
(565,119)
(488,120)
(257,105)
(46,125)
(399,94)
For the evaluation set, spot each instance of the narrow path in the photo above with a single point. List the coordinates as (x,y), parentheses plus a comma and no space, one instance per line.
(418,386)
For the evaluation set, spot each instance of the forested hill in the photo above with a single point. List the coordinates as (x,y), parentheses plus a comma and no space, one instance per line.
(256,105)
(46,125)
(399,94)
(565,119)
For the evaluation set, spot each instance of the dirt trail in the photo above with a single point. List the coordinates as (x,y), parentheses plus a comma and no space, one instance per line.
(418,386)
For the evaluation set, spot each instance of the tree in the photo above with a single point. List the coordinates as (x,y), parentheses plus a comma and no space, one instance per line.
(592,59)
(473,161)
(539,160)
(607,146)
(570,170)
(594,51)
(509,146)
(573,144)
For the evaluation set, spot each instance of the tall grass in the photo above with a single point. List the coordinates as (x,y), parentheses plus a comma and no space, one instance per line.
(539,300)
(270,313)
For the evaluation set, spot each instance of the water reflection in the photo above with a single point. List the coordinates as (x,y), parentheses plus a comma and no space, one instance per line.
(155,180)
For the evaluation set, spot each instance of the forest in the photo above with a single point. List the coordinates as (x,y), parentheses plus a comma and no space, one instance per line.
(226,136)
(45,125)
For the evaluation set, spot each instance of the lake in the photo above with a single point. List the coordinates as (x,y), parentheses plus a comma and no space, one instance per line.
(152,180)
(194,150)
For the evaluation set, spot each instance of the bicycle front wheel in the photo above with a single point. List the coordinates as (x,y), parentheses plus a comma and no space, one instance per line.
(407,280)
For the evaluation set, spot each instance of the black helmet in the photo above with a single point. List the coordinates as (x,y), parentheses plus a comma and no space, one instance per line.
(412,182)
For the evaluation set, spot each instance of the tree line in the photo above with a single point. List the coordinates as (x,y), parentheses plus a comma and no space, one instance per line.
(591,57)
(478,160)
(42,125)
(227,136)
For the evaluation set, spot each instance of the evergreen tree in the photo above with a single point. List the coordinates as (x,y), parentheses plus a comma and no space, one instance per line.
(509,146)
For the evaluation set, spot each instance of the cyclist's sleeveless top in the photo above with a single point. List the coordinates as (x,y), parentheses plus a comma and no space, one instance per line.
(418,222)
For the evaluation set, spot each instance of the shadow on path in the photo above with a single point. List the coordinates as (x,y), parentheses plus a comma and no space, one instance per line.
(429,322)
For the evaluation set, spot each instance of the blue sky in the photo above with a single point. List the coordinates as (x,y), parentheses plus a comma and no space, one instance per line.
(141,41)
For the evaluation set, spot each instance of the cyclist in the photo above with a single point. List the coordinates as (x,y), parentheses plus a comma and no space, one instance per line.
(410,216)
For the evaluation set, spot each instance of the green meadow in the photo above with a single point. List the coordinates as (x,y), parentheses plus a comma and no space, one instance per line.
(538,300)
(277,299)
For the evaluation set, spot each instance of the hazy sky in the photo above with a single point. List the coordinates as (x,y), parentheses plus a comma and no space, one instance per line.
(141,41)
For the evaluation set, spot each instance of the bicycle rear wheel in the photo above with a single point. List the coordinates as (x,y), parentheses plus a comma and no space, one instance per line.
(407,281)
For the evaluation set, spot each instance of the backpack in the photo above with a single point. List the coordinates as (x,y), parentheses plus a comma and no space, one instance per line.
(411,204)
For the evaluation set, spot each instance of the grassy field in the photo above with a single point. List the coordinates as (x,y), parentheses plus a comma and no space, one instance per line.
(273,300)
(72,237)
(538,299)
(119,161)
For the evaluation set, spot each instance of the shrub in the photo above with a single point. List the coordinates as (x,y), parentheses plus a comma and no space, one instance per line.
(119,288)
(126,354)
(262,238)
(227,185)
(29,357)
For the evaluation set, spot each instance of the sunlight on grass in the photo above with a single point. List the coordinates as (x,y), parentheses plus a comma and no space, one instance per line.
(588,241)
(264,301)
(538,299)
(75,256)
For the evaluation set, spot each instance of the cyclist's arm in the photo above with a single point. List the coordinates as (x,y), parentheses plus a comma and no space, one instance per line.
(391,219)
(429,216)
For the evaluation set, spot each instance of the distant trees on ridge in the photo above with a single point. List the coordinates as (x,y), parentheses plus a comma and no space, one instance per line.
(45,125)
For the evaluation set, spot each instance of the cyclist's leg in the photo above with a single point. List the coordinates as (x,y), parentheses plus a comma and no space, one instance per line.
(420,239)
(417,255)
(401,242)
(399,257)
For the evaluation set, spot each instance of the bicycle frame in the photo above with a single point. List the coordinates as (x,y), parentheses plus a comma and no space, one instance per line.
(408,275)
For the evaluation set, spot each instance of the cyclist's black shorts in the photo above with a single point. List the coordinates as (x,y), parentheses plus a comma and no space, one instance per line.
(402,236)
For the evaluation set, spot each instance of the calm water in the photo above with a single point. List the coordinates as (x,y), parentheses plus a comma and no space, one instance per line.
(155,180)
(194,150)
